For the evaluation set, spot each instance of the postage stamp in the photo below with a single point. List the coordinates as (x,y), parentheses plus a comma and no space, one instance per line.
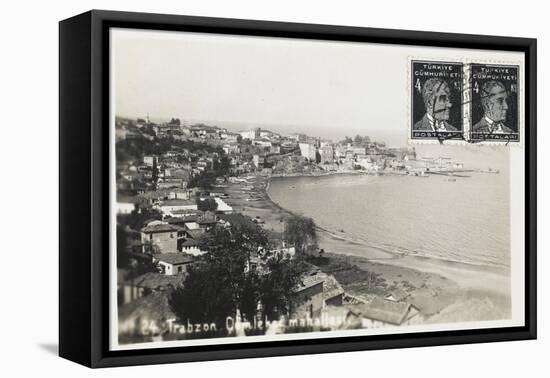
(436,100)
(494,103)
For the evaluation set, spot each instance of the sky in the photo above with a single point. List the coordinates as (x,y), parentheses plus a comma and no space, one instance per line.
(325,89)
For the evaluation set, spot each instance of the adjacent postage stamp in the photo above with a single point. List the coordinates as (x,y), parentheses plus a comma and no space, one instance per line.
(494,103)
(436,100)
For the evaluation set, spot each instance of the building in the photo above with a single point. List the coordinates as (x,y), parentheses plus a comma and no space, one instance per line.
(179,172)
(287,148)
(207,220)
(162,236)
(366,164)
(223,208)
(308,151)
(154,307)
(230,137)
(307,297)
(298,137)
(130,289)
(257,161)
(184,220)
(282,251)
(126,204)
(397,295)
(327,154)
(179,193)
(416,167)
(382,313)
(264,143)
(235,220)
(171,182)
(268,134)
(333,292)
(150,160)
(358,150)
(251,134)
(173,263)
(191,246)
(169,206)
(125,207)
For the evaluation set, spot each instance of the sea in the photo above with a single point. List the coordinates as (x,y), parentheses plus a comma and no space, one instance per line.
(461,219)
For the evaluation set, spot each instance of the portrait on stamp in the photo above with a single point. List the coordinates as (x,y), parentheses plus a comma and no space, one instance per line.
(494,102)
(436,100)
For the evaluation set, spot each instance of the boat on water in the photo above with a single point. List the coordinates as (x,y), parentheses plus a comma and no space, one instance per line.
(419,174)
(489,170)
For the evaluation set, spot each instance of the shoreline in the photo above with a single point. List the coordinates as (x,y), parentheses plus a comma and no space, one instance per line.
(444,289)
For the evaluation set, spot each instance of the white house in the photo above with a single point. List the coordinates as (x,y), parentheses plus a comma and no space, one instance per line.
(167,207)
(308,151)
(191,247)
(125,207)
(222,206)
(173,263)
(383,312)
(250,134)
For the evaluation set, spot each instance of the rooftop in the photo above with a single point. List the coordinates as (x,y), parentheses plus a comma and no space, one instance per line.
(188,218)
(397,295)
(331,287)
(178,202)
(153,306)
(163,227)
(122,198)
(190,243)
(155,194)
(195,234)
(237,220)
(156,281)
(174,258)
(309,280)
(185,213)
(207,218)
(385,311)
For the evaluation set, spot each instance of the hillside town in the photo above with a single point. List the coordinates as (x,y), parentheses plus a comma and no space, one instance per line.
(183,198)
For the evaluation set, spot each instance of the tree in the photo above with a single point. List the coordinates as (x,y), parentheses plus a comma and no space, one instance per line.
(301,232)
(277,287)
(208,293)
(347,140)
(204,180)
(207,204)
(136,264)
(361,141)
(218,284)
(141,264)
(138,217)
(155,174)
(122,258)
(225,165)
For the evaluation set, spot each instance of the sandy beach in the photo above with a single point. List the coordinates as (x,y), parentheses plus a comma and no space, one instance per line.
(444,291)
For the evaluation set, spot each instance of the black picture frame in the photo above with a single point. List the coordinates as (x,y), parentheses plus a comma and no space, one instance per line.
(84,193)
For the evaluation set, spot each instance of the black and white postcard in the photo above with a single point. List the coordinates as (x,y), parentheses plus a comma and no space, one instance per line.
(278,189)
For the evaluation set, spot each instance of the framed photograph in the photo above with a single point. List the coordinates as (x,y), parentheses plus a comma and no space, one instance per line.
(234,188)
